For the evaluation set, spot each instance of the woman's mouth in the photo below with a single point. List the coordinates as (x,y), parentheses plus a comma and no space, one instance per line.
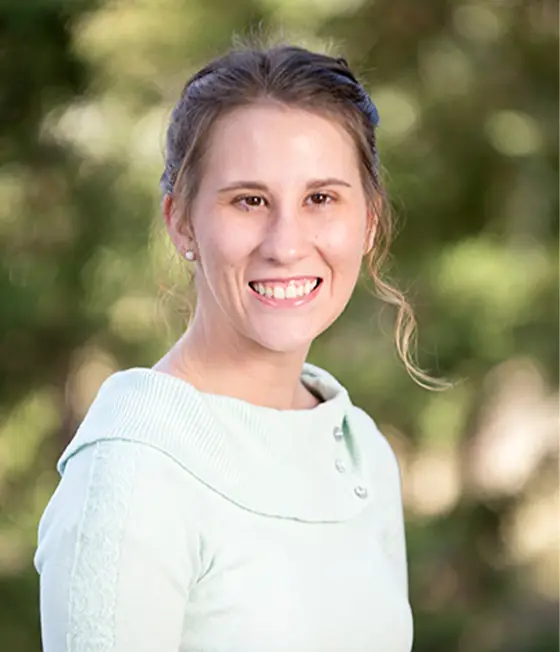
(294,292)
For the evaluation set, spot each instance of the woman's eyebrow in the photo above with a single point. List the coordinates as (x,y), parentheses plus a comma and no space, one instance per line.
(248,185)
(329,181)
(259,185)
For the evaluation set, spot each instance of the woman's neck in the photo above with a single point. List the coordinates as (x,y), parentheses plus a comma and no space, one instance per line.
(241,370)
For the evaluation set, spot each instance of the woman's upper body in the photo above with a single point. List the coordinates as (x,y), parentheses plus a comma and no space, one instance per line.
(196,522)
(226,500)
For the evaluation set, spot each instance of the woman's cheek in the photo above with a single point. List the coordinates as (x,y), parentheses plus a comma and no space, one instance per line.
(343,241)
(226,245)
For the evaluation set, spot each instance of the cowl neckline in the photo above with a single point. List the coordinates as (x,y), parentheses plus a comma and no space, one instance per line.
(274,462)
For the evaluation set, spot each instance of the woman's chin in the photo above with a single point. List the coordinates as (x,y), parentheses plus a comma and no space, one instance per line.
(286,335)
(284,342)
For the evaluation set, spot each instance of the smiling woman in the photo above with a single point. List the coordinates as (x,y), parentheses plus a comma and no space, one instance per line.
(232,497)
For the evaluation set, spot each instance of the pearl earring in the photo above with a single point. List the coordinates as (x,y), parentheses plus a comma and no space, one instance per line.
(189,254)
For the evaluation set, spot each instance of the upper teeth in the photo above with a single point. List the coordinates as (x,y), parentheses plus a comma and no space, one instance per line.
(291,291)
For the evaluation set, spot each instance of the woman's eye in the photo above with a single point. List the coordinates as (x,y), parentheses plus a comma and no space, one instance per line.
(320,198)
(251,201)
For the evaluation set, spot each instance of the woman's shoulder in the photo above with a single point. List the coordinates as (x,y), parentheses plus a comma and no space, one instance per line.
(137,405)
(375,446)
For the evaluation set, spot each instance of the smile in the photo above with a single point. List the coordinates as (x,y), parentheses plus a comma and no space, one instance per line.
(292,291)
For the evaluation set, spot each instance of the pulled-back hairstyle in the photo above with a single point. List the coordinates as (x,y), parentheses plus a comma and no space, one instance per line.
(296,77)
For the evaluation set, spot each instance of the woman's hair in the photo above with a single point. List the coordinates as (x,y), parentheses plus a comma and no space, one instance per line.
(295,77)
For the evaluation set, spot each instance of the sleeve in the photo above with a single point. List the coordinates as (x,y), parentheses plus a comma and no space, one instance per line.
(117,553)
(394,536)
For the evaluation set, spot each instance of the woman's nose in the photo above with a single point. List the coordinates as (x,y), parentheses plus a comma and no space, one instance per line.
(286,239)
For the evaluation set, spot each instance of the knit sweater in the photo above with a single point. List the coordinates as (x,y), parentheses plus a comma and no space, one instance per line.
(192,522)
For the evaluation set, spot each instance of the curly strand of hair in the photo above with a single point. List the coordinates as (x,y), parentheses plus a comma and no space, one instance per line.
(406,330)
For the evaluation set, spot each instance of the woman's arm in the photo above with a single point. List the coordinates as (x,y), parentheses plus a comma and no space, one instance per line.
(395,533)
(117,554)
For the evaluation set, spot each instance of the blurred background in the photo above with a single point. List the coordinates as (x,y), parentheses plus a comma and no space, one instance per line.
(468,96)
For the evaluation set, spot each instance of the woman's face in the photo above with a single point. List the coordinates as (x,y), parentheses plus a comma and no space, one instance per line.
(280,224)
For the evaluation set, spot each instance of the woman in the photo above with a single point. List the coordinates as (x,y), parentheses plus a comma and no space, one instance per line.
(232,498)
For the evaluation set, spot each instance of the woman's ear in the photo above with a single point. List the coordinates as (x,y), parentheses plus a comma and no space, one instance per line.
(178,230)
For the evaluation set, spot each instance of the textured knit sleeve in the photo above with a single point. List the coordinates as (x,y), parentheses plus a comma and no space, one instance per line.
(118,551)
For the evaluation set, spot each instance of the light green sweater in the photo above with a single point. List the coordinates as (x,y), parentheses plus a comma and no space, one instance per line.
(192,522)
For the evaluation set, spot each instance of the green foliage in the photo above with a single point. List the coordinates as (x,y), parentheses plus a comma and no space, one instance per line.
(468,97)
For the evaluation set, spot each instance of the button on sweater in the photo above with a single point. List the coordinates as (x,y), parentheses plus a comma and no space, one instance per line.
(192,522)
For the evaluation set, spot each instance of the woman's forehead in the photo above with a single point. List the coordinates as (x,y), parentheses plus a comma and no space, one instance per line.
(283,141)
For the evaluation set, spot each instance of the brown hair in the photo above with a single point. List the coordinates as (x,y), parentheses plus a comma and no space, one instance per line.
(296,77)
